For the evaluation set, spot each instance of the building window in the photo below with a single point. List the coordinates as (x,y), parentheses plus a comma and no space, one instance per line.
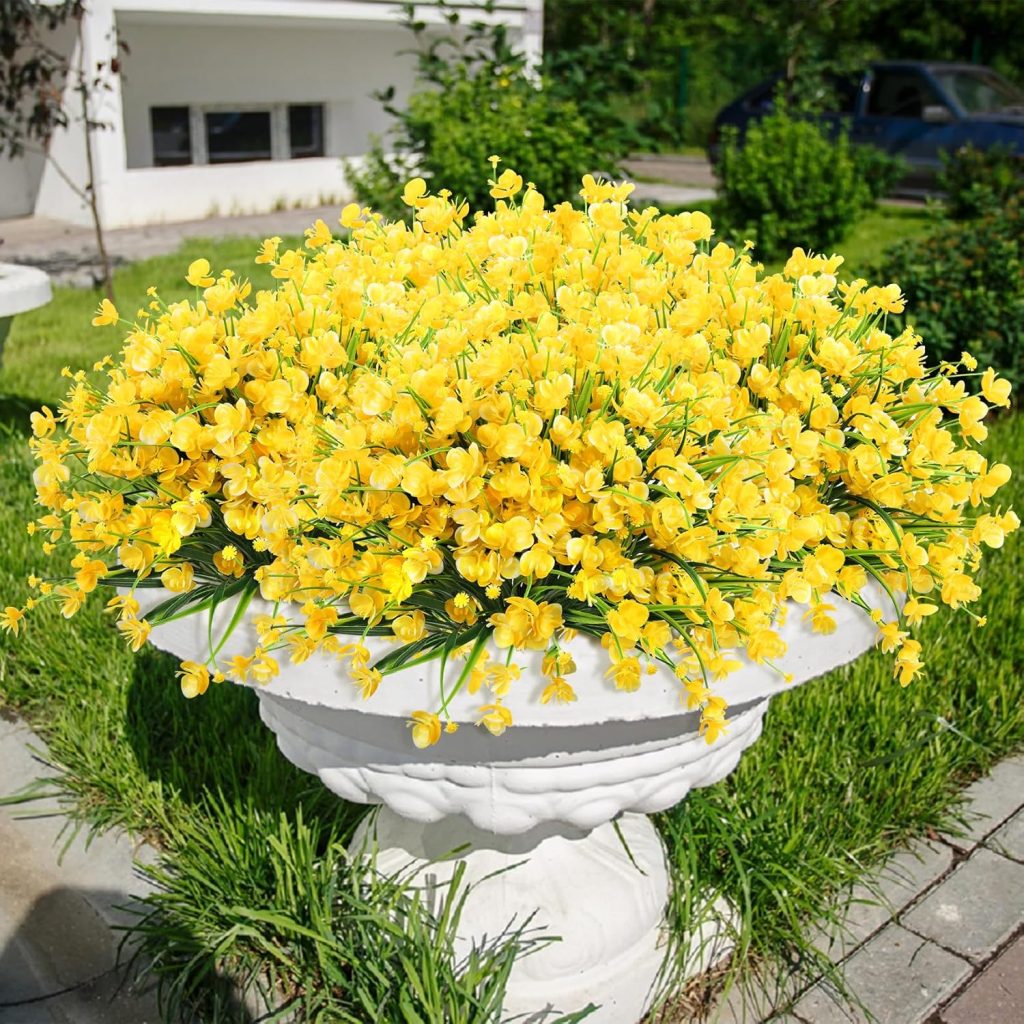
(203,134)
(233,136)
(172,136)
(305,130)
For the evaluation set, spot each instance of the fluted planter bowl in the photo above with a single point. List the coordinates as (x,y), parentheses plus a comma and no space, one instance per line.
(559,800)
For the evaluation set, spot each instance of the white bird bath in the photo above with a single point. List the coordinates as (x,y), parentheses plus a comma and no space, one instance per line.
(556,806)
(21,289)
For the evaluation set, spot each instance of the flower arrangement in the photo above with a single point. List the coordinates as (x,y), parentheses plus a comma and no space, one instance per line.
(526,424)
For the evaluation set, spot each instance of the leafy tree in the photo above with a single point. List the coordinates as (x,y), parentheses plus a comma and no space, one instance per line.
(42,91)
(32,72)
(475,96)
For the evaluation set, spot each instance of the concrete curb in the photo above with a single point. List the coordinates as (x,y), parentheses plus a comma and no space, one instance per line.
(63,900)
(935,936)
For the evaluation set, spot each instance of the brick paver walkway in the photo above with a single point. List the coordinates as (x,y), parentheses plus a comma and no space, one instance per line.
(948,945)
(63,899)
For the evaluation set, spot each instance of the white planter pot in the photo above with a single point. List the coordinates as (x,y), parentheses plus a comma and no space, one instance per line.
(21,289)
(539,800)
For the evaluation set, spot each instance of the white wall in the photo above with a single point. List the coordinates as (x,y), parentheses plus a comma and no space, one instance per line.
(21,177)
(68,159)
(339,65)
(151,195)
(17,187)
(212,55)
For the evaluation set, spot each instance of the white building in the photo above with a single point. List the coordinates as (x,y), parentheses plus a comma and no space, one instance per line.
(229,106)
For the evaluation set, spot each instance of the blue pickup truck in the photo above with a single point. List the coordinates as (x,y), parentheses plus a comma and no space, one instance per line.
(912,109)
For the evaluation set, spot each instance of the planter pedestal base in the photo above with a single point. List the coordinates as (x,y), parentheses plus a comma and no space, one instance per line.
(601,893)
(545,817)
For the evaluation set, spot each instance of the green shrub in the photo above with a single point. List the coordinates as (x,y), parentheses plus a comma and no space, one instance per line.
(965,289)
(790,184)
(476,97)
(879,171)
(979,181)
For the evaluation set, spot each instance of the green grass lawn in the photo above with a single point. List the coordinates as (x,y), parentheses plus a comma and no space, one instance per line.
(256,890)
(876,231)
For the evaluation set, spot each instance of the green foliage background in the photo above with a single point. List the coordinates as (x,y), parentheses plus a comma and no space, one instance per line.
(789,182)
(964,285)
(629,50)
(475,96)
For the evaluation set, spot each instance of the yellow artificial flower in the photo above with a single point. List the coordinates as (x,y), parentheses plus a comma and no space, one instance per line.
(519,424)
(351,216)
(559,691)
(135,631)
(179,579)
(195,678)
(11,619)
(426,728)
(199,273)
(508,184)
(627,620)
(414,192)
(625,674)
(410,628)
(106,314)
(994,389)
(495,718)
(319,234)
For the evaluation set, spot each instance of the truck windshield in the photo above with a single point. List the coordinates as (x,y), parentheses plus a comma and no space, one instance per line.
(981,91)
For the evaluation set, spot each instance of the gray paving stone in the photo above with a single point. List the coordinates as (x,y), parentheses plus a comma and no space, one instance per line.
(102,1001)
(60,897)
(996,996)
(36,958)
(103,865)
(677,195)
(9,725)
(674,168)
(990,801)
(975,909)
(898,977)
(872,904)
(1008,839)
(757,1001)
(22,757)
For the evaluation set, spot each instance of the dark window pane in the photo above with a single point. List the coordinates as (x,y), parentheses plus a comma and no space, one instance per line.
(980,91)
(900,94)
(237,135)
(306,130)
(172,136)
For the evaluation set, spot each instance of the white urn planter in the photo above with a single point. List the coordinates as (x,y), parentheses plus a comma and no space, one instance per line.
(21,289)
(552,813)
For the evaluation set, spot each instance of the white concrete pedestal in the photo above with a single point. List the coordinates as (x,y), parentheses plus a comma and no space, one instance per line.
(598,895)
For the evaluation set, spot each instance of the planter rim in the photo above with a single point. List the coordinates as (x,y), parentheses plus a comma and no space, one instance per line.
(323,682)
(22,288)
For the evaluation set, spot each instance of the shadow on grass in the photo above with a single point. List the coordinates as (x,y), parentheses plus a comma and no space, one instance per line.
(214,744)
(15,411)
(233,809)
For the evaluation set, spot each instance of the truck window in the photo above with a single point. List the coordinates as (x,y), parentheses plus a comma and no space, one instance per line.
(900,94)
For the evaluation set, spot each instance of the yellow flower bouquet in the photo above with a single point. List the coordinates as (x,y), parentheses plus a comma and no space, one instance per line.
(514,427)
